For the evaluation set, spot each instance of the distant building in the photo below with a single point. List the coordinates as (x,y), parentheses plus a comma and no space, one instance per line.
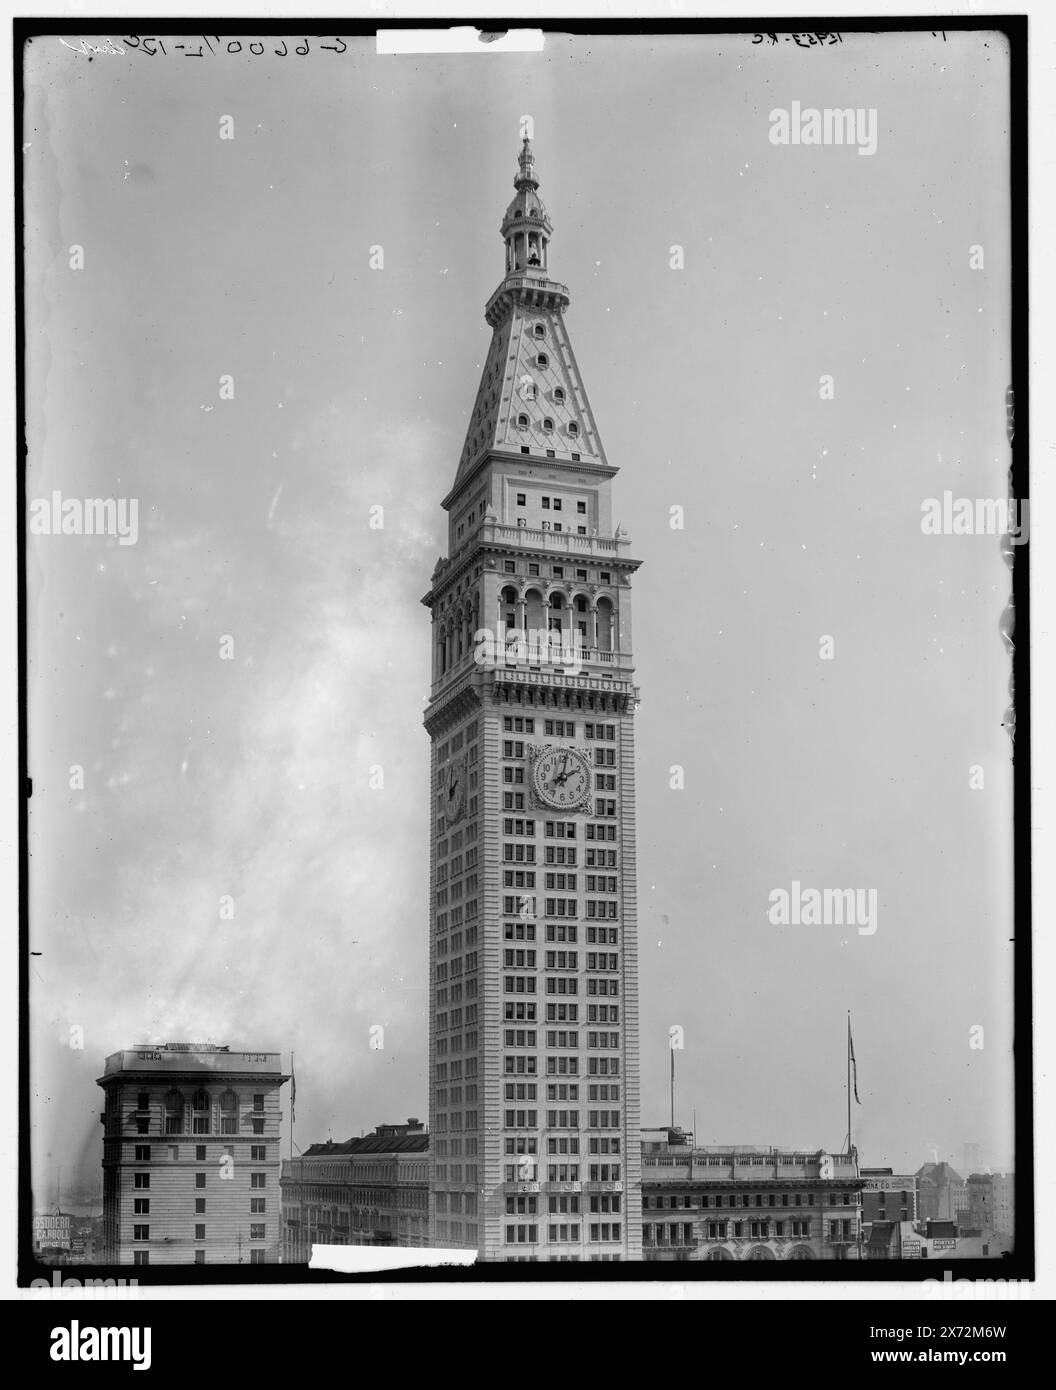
(941,1193)
(888,1196)
(191,1155)
(52,1237)
(369,1191)
(992,1202)
(745,1203)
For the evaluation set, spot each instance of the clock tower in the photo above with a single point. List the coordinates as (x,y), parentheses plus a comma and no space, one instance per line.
(533,1008)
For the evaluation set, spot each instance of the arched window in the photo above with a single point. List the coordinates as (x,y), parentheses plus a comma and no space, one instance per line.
(542,360)
(559,395)
(539,331)
(534,616)
(548,426)
(605,626)
(229,1112)
(200,1112)
(508,607)
(522,422)
(173,1112)
(573,428)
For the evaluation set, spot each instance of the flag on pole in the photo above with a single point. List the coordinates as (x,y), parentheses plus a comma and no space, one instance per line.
(293,1090)
(850,1054)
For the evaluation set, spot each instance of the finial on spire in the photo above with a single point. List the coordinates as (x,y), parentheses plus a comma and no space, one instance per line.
(526,166)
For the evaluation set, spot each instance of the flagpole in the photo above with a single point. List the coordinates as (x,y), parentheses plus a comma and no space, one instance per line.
(293,1101)
(848,1083)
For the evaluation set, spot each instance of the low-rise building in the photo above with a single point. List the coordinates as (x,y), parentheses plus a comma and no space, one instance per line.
(191,1155)
(368,1191)
(736,1202)
(946,1240)
(888,1196)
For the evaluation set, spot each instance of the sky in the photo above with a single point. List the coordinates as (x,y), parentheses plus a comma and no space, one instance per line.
(228,683)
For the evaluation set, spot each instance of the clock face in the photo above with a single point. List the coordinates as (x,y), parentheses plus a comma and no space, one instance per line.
(561,777)
(455,790)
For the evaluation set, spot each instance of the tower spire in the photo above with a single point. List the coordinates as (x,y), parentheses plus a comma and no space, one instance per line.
(526,228)
(526,163)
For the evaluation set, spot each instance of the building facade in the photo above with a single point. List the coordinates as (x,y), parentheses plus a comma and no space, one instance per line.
(191,1155)
(942,1194)
(368,1191)
(734,1203)
(888,1196)
(533,919)
(991,1203)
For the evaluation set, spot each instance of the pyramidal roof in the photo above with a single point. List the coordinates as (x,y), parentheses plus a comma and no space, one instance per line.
(531,394)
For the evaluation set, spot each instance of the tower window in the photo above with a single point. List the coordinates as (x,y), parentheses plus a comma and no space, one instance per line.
(522,422)
(575,458)
(173,1112)
(548,425)
(525,449)
(539,330)
(521,499)
(573,428)
(559,395)
(542,360)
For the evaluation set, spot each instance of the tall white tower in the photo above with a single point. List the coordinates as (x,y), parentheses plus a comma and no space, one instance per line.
(534,1104)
